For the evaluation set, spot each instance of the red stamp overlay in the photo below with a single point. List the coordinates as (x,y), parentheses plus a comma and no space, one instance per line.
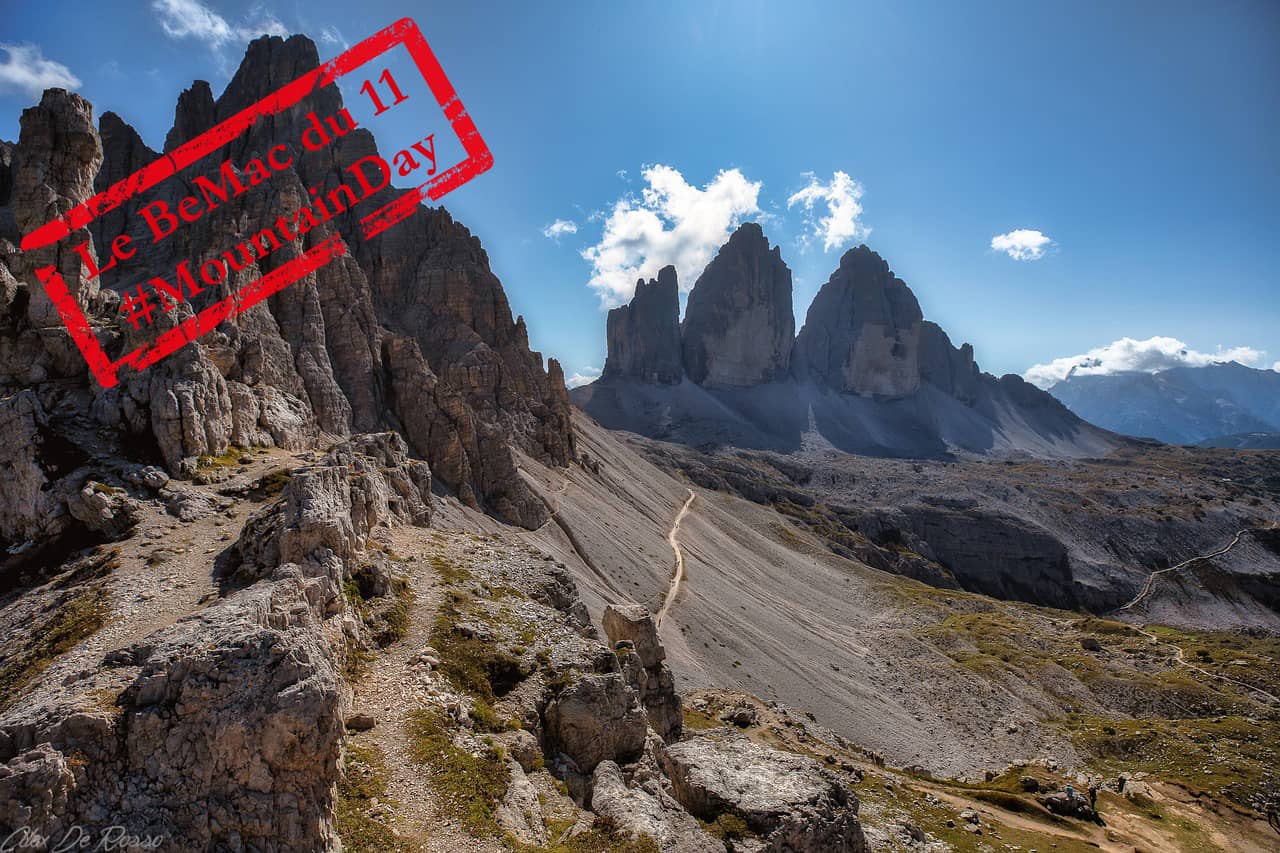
(369,175)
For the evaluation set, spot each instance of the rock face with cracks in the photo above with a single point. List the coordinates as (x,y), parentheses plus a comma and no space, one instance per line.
(408,331)
(787,799)
(223,730)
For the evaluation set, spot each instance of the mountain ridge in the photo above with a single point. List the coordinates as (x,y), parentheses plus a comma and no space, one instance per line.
(866,373)
(1177,405)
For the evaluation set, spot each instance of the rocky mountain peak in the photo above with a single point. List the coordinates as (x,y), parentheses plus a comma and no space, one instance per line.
(862,332)
(738,325)
(409,331)
(644,336)
(193,115)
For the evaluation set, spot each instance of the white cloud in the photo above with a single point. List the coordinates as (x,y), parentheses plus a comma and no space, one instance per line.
(1128,355)
(559,228)
(672,222)
(1023,244)
(584,377)
(182,19)
(840,197)
(334,36)
(1276,367)
(25,70)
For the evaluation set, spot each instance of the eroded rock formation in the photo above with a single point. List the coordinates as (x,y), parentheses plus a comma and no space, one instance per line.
(738,326)
(862,331)
(644,336)
(330,353)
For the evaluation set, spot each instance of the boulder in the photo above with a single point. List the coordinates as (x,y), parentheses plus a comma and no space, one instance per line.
(789,800)
(104,509)
(634,636)
(633,623)
(596,718)
(636,810)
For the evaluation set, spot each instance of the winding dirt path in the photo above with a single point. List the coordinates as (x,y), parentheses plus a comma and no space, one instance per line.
(675,549)
(1151,578)
(1180,657)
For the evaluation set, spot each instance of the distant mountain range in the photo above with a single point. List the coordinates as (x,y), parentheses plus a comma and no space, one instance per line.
(865,374)
(1220,405)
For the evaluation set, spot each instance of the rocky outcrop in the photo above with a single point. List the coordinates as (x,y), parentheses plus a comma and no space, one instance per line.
(596,718)
(313,357)
(29,508)
(952,371)
(738,325)
(786,799)
(644,336)
(634,637)
(223,730)
(993,553)
(862,332)
(647,810)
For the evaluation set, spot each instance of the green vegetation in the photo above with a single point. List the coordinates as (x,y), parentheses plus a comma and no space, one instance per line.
(696,720)
(387,617)
(472,664)
(468,787)
(450,573)
(1231,757)
(1014,803)
(273,484)
(73,619)
(729,827)
(363,780)
(217,462)
(1150,713)
(933,816)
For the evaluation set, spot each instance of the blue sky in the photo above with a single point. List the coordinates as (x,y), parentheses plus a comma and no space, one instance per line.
(1140,139)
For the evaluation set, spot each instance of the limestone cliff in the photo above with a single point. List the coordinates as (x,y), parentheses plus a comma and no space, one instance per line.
(739,325)
(862,332)
(314,356)
(644,336)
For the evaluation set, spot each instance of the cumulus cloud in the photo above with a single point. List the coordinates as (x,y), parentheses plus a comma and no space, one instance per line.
(1128,355)
(583,377)
(559,228)
(671,222)
(183,19)
(1022,244)
(25,70)
(840,199)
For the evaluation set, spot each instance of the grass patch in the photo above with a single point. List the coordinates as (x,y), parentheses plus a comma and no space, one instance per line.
(60,629)
(273,484)
(468,787)
(699,720)
(729,827)
(387,616)
(1014,803)
(449,571)
(472,664)
(214,462)
(1232,757)
(363,780)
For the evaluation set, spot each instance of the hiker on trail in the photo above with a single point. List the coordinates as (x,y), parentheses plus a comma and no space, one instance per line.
(1071,793)
(1093,797)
